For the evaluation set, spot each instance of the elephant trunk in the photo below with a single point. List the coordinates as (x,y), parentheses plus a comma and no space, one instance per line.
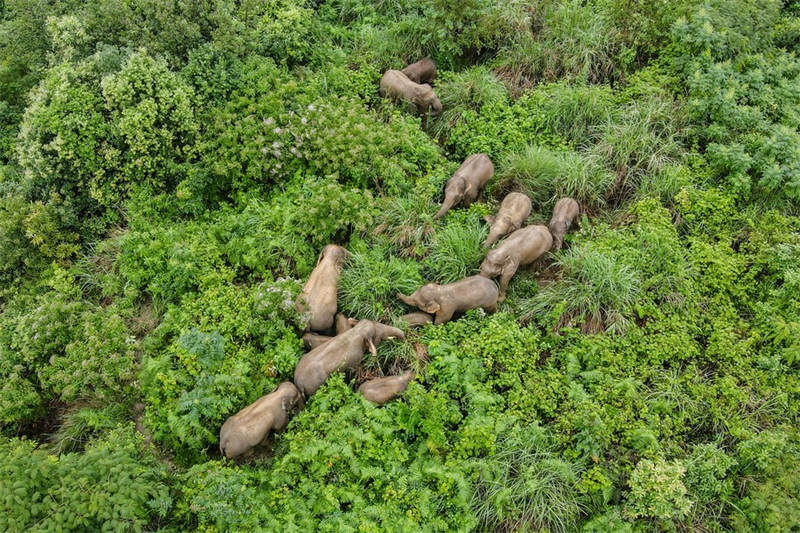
(491,238)
(408,300)
(449,202)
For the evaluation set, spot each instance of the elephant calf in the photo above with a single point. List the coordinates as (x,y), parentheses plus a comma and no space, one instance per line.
(564,214)
(522,247)
(322,288)
(312,340)
(396,85)
(343,352)
(513,211)
(383,390)
(423,71)
(466,183)
(445,300)
(251,426)
(417,319)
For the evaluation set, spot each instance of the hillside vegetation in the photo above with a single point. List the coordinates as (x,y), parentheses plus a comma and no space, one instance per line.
(170,170)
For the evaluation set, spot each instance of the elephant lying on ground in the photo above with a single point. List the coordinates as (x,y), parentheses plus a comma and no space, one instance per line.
(513,211)
(252,425)
(312,340)
(565,212)
(396,85)
(522,247)
(344,324)
(423,71)
(445,300)
(464,186)
(342,352)
(321,290)
(417,319)
(383,390)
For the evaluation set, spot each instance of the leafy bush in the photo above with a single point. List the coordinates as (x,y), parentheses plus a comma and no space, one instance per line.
(657,491)
(114,486)
(218,352)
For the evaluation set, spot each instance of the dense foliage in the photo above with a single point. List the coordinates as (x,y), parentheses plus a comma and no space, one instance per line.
(170,169)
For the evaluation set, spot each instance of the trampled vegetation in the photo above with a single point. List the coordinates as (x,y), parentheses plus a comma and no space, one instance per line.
(170,170)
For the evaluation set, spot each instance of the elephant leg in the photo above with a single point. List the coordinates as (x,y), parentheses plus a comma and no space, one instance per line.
(505,278)
(444,314)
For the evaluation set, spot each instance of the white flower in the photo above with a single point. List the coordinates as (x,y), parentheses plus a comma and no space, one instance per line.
(269,121)
(276,145)
(277,131)
(311,107)
(303,120)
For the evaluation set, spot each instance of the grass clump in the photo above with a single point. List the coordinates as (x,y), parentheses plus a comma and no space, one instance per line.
(524,486)
(545,175)
(595,290)
(455,250)
(371,279)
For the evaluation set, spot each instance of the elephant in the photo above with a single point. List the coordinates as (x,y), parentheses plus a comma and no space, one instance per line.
(321,290)
(252,425)
(466,183)
(514,209)
(342,352)
(383,390)
(343,323)
(417,319)
(396,85)
(522,247)
(423,71)
(564,214)
(312,340)
(445,300)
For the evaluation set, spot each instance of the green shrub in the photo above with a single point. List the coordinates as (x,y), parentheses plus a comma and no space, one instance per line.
(657,491)
(112,486)
(217,352)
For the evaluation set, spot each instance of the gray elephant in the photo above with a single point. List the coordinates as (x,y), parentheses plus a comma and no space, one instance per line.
(343,352)
(396,85)
(312,340)
(445,300)
(321,290)
(565,212)
(465,185)
(383,390)
(344,324)
(522,247)
(252,425)
(423,71)
(514,209)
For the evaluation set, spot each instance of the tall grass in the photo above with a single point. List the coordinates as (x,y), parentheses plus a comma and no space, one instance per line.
(455,250)
(575,42)
(644,139)
(596,290)
(371,279)
(545,175)
(525,487)
(466,91)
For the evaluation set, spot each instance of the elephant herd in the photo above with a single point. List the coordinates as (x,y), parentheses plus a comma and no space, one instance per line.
(337,343)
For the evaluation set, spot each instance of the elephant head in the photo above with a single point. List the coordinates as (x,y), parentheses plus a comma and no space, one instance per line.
(376,333)
(425,298)
(453,194)
(493,263)
(427,99)
(334,252)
